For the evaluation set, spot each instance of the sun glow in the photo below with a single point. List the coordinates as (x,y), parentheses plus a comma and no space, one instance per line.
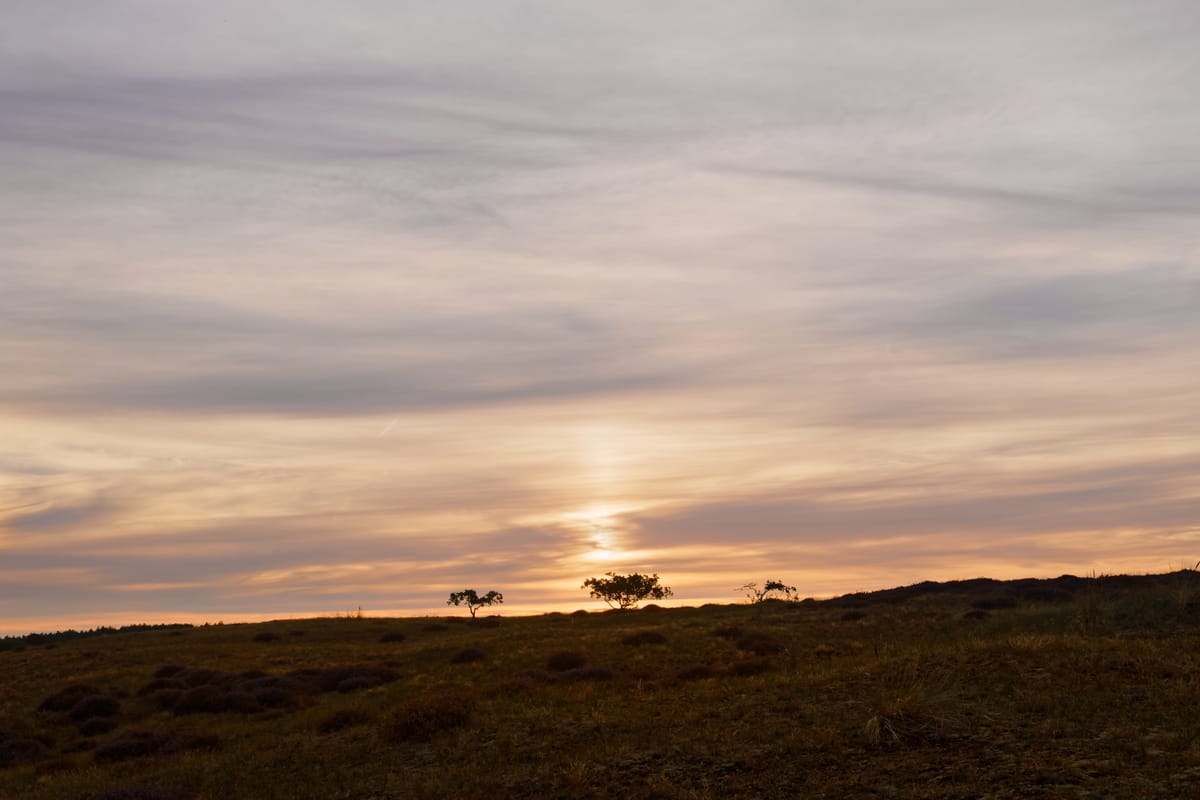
(600,530)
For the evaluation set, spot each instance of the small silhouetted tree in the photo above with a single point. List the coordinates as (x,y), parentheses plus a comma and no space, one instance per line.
(473,601)
(626,591)
(757,594)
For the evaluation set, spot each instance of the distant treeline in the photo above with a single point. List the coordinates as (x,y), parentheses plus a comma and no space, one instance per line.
(35,639)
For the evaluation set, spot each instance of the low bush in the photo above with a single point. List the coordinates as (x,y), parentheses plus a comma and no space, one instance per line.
(468,655)
(585,674)
(761,644)
(392,636)
(66,699)
(695,672)
(748,667)
(993,603)
(267,636)
(94,705)
(643,637)
(20,748)
(200,700)
(439,709)
(127,745)
(97,726)
(143,793)
(343,718)
(565,660)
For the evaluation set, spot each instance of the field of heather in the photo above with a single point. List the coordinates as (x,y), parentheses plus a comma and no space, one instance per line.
(1068,688)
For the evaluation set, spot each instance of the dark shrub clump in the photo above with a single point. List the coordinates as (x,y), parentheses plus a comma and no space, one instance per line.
(130,744)
(727,631)
(18,748)
(242,703)
(143,793)
(644,637)
(993,603)
(266,636)
(749,666)
(393,636)
(356,684)
(343,718)
(66,699)
(439,709)
(200,700)
(168,671)
(761,644)
(854,615)
(565,660)
(273,697)
(97,725)
(695,672)
(582,674)
(976,614)
(95,705)
(468,655)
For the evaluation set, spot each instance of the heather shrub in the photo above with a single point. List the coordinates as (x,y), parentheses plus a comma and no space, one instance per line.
(1045,594)
(343,718)
(127,745)
(19,748)
(749,666)
(143,793)
(565,660)
(97,726)
(643,637)
(66,699)
(530,679)
(273,697)
(468,655)
(185,741)
(200,700)
(761,644)
(94,705)
(582,674)
(393,636)
(161,683)
(166,698)
(242,703)
(993,603)
(439,709)
(695,672)
(356,684)
(331,679)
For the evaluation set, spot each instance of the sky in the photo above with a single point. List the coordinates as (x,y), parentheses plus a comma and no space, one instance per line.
(306,308)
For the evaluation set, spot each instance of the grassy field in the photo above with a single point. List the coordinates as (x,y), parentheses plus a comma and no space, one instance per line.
(1085,688)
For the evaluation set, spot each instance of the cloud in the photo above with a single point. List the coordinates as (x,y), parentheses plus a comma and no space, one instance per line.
(60,517)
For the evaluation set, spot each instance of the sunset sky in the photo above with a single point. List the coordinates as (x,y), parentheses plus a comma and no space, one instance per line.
(307,307)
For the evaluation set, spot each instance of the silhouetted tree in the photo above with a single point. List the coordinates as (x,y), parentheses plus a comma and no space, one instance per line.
(473,601)
(626,591)
(755,594)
